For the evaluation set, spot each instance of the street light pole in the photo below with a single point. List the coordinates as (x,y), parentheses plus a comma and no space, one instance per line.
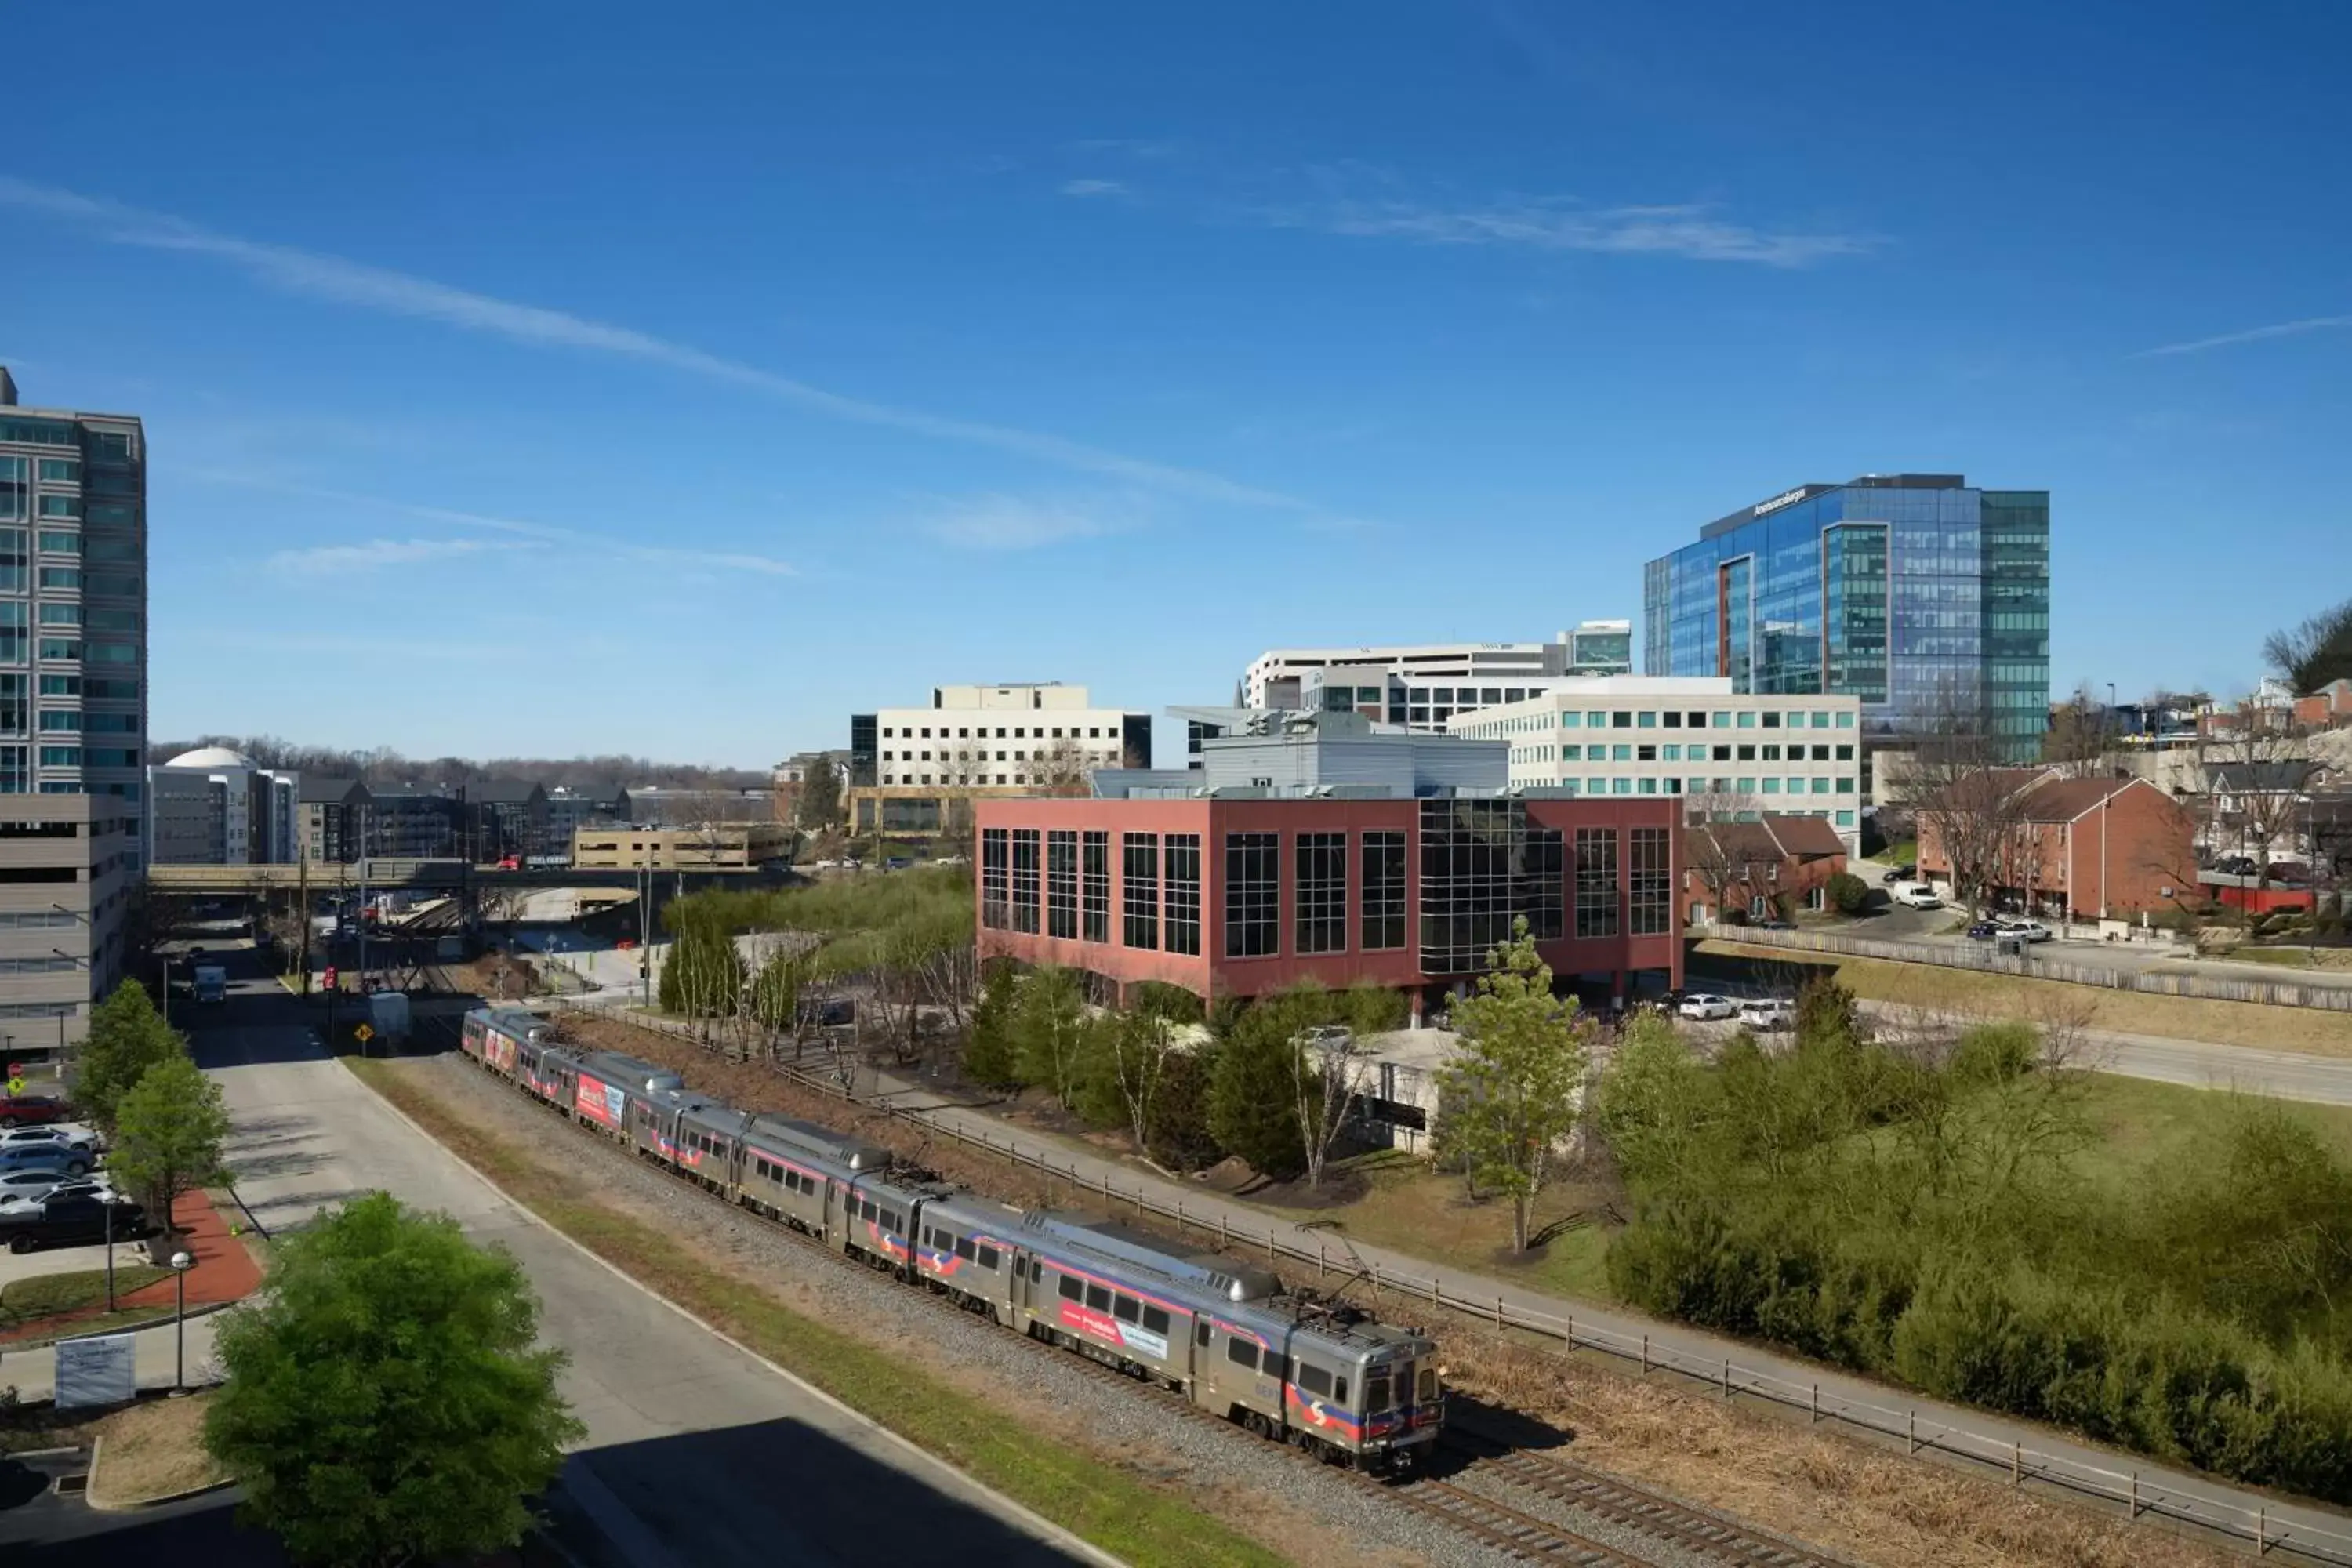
(181,1263)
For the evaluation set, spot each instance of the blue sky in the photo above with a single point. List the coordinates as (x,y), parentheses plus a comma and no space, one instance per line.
(546,379)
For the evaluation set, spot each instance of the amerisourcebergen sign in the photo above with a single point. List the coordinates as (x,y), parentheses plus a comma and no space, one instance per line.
(1786,498)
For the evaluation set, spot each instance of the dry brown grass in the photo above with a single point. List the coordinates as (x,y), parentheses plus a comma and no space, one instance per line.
(1935,989)
(152,1451)
(1811,1484)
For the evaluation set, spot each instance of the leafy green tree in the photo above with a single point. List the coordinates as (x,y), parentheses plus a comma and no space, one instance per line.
(1514,1092)
(1847,892)
(1253,1108)
(1055,1037)
(819,803)
(127,1036)
(168,1133)
(1827,1010)
(386,1405)
(703,976)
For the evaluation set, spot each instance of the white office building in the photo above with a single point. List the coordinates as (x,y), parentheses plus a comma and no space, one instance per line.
(212,806)
(1728,754)
(916,770)
(1424,686)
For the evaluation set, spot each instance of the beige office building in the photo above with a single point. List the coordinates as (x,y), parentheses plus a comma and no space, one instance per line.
(719,846)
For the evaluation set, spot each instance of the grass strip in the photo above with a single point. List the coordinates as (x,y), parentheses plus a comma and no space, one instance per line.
(1932,986)
(22,1300)
(1074,1490)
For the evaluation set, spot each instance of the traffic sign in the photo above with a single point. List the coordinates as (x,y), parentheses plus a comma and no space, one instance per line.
(363,1034)
(328,979)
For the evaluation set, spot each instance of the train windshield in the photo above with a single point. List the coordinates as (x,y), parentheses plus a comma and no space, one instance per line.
(1376,1390)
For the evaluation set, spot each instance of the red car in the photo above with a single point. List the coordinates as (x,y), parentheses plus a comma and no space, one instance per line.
(30,1109)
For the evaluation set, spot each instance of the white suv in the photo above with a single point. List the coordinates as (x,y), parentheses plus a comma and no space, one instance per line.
(1768,1013)
(1705,1006)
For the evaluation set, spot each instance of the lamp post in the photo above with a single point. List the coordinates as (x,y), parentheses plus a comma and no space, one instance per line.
(181,1263)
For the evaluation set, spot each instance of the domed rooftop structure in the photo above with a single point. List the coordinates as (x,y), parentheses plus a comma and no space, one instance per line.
(210,757)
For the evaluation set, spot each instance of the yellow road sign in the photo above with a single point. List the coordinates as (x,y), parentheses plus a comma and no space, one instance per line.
(363,1034)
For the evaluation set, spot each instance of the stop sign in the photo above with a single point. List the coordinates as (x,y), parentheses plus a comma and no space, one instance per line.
(329,977)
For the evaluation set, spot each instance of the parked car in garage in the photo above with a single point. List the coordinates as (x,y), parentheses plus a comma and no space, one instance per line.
(73,1221)
(1705,1005)
(1767,1013)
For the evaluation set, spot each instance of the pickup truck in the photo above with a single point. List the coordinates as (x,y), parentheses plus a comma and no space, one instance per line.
(73,1220)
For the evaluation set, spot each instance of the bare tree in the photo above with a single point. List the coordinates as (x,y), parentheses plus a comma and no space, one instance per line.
(1727,862)
(2259,773)
(1140,1043)
(2309,655)
(2081,732)
(1329,1072)
(1966,800)
(1062,768)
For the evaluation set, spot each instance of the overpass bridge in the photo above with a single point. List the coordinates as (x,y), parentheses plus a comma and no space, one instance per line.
(439,876)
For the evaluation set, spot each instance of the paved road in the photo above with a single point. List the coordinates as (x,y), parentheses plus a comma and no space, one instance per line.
(696,1452)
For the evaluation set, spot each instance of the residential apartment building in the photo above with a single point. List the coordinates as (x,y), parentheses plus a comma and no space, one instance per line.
(1423,686)
(571,807)
(212,806)
(1349,855)
(406,822)
(918,770)
(2094,848)
(1742,871)
(714,846)
(329,816)
(73,702)
(1922,596)
(499,817)
(1718,752)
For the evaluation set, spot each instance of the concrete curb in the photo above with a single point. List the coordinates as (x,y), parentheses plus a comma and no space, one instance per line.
(1051,1532)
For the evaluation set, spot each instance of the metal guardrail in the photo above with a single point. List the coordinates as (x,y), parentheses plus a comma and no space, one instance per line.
(2124,1488)
(2206,987)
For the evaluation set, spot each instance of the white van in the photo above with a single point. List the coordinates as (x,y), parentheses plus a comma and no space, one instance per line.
(1917,896)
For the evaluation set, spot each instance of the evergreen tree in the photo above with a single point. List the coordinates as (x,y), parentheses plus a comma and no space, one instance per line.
(991,1052)
(1253,1104)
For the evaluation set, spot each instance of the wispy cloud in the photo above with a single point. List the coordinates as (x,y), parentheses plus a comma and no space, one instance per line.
(385,552)
(344,560)
(1095,188)
(1015,522)
(1688,231)
(2253,335)
(402,294)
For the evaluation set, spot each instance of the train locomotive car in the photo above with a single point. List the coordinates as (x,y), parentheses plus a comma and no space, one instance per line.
(493,1034)
(604,1083)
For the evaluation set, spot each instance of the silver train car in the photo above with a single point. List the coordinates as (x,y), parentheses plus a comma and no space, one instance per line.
(1223,1334)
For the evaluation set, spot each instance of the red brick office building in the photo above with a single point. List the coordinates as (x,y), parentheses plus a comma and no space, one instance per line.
(1240,894)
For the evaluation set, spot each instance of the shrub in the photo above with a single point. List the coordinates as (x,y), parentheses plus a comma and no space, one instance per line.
(1846,892)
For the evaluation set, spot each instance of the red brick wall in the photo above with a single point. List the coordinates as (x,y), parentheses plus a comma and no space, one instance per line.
(2148,846)
(1212,973)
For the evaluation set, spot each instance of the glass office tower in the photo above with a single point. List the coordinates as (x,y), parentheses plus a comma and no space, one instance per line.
(1923,597)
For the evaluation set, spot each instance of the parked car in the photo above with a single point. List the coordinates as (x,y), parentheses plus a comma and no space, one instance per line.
(1772,923)
(1985,931)
(1900,874)
(1705,1006)
(21,1187)
(53,1155)
(2028,931)
(1768,1013)
(30,1109)
(72,1132)
(1917,896)
(73,1221)
(1325,1034)
(2235,866)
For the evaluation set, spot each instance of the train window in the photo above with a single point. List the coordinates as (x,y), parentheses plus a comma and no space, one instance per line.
(1127,1309)
(963,1248)
(1201,1334)
(1240,1353)
(1376,1391)
(1036,1272)
(1072,1290)
(865,1209)
(1155,1319)
(1428,1383)
(892,1221)
(1097,1299)
(988,1257)
(1339,1389)
(1315,1381)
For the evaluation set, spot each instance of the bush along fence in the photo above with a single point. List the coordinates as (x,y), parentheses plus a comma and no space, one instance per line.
(2209,987)
(2157,1497)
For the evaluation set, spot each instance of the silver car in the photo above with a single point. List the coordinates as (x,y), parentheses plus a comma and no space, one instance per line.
(47,1154)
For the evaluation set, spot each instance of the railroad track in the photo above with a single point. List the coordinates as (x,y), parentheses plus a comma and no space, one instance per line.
(1697,1531)
(1481,1519)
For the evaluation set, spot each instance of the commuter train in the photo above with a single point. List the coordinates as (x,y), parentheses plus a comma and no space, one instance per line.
(1320,1375)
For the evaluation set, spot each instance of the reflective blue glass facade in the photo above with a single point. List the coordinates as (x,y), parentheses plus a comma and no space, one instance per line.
(1918,594)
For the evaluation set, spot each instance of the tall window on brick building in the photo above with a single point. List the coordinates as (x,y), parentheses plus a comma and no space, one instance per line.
(1547,892)
(1024,880)
(995,879)
(1180,893)
(1596,882)
(1253,895)
(1139,877)
(1383,905)
(1096,888)
(1319,890)
(1651,910)
(1062,883)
